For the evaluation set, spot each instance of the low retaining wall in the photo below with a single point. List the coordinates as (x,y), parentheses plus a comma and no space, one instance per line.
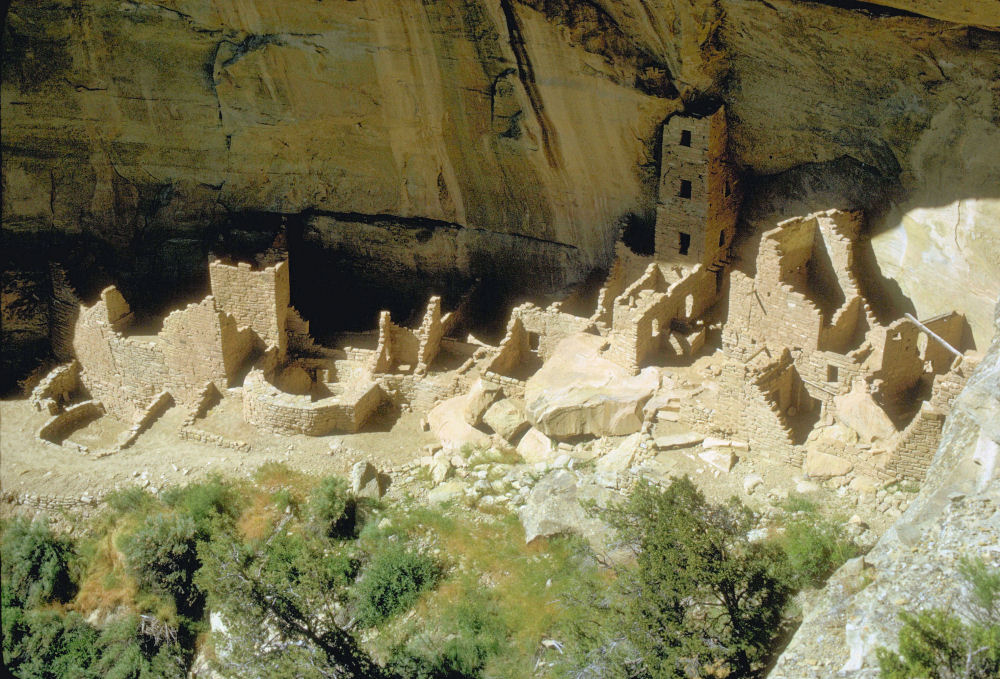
(265,406)
(59,426)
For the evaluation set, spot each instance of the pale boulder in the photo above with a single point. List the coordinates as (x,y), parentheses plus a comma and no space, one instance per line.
(722,459)
(447,422)
(554,507)
(858,410)
(506,418)
(480,397)
(535,447)
(609,467)
(579,392)
(819,465)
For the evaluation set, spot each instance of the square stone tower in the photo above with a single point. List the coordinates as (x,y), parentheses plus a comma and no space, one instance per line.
(699,195)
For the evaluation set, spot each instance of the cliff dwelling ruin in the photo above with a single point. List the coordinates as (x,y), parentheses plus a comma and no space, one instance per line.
(802,370)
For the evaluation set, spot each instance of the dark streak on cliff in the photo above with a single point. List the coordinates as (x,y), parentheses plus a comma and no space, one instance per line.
(526,73)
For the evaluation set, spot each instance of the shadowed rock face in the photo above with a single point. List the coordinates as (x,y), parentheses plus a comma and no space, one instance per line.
(142,134)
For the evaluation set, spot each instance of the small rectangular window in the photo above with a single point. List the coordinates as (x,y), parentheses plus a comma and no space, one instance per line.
(685,138)
(722,238)
(685,189)
(832,373)
(728,190)
(685,242)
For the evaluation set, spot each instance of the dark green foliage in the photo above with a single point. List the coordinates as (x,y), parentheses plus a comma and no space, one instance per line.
(332,509)
(48,645)
(392,583)
(702,599)
(139,648)
(45,644)
(470,634)
(936,644)
(281,601)
(162,555)
(815,548)
(34,565)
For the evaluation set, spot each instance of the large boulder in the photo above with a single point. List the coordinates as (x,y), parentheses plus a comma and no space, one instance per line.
(480,397)
(580,392)
(819,465)
(507,419)
(554,507)
(859,411)
(366,481)
(535,446)
(447,422)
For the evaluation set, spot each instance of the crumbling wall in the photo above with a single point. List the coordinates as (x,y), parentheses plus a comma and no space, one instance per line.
(197,344)
(55,389)
(255,299)
(648,309)
(416,349)
(194,352)
(61,425)
(65,311)
(550,325)
(515,349)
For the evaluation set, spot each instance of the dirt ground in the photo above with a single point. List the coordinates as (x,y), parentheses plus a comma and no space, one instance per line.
(29,465)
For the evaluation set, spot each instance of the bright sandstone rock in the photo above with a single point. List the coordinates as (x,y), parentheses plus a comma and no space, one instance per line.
(820,465)
(506,418)
(447,422)
(579,392)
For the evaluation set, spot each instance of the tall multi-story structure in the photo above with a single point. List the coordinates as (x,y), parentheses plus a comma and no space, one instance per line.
(699,194)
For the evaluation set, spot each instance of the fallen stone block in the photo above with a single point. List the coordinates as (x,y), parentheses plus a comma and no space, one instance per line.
(719,458)
(675,441)
(820,465)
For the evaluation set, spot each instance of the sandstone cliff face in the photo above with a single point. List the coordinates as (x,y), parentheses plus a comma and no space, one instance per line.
(145,130)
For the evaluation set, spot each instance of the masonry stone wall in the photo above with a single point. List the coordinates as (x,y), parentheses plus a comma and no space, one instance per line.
(699,193)
(255,299)
(648,309)
(550,325)
(415,349)
(515,349)
(197,344)
(61,425)
(56,388)
(265,406)
(65,311)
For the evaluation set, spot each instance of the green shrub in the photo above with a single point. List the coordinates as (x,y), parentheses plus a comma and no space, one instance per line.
(131,650)
(702,599)
(470,633)
(797,502)
(204,502)
(34,565)
(815,548)
(332,509)
(47,645)
(393,582)
(44,645)
(935,644)
(281,600)
(162,555)
(131,500)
